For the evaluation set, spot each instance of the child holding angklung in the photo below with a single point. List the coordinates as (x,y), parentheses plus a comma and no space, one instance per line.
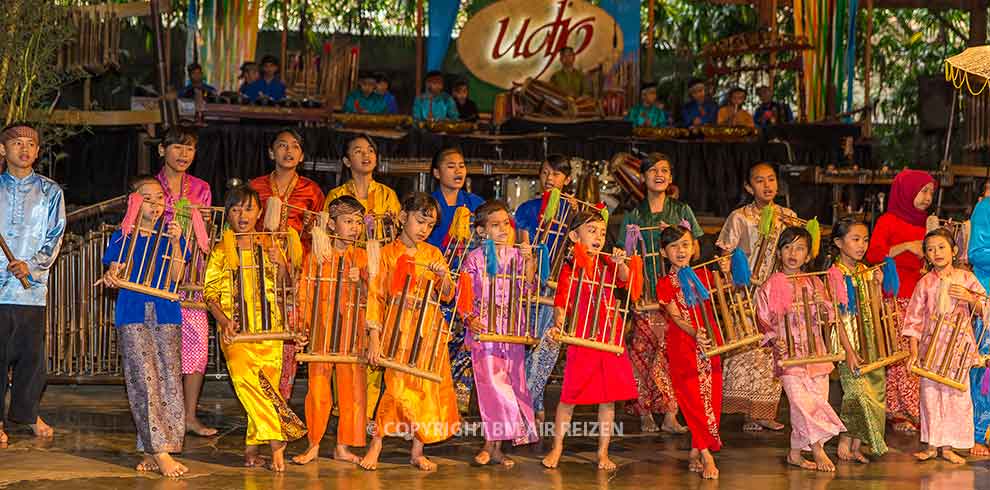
(149,327)
(813,422)
(591,376)
(346,219)
(411,404)
(946,413)
(499,368)
(863,395)
(255,367)
(697,379)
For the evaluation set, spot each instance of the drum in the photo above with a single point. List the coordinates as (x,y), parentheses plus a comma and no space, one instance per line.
(614,103)
(583,107)
(808,325)
(260,287)
(415,334)
(544,97)
(512,318)
(625,170)
(333,306)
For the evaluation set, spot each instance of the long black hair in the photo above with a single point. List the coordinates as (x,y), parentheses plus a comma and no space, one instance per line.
(345,171)
(790,235)
(839,231)
(938,232)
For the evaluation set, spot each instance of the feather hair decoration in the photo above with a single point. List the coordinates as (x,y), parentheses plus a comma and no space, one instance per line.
(766,219)
(837,282)
(374,250)
(891,281)
(229,246)
(931,223)
(553,205)
(491,258)
(603,210)
(739,268)
(815,230)
(633,237)
(692,288)
(781,293)
(273,213)
(134,202)
(635,277)
(465,294)
(544,255)
(404,267)
(581,258)
(295,248)
(460,225)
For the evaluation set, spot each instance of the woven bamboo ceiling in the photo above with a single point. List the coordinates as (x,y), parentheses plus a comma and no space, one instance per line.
(931,4)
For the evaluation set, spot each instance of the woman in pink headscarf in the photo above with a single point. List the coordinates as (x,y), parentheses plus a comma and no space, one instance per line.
(898,234)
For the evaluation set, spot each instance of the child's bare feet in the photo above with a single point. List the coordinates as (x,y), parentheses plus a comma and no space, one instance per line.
(978,450)
(694,461)
(169,467)
(278,456)
(671,425)
(252,457)
(770,424)
(312,452)
(949,455)
(483,457)
(552,459)
(925,455)
(647,424)
(41,429)
(540,417)
(905,427)
(822,461)
(708,469)
(844,451)
(370,460)
(194,426)
(3,437)
(342,453)
(604,463)
(423,463)
(147,463)
(795,458)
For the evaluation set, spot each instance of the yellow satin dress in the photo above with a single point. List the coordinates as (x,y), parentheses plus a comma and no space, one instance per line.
(254,367)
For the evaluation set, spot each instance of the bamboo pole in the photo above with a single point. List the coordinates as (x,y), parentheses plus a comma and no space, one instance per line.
(868,69)
(285,35)
(419,46)
(651,21)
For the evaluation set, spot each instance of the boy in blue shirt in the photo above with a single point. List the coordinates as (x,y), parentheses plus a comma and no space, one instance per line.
(646,113)
(365,100)
(700,110)
(434,104)
(382,87)
(269,86)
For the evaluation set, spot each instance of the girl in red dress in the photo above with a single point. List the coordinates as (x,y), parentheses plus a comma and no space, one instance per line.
(591,376)
(697,379)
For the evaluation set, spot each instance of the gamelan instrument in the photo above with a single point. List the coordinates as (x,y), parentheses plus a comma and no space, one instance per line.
(879,349)
(600,323)
(333,306)
(260,287)
(625,170)
(447,127)
(539,97)
(11,259)
(656,134)
(960,231)
(949,365)
(191,286)
(513,318)
(372,121)
(414,333)
(809,323)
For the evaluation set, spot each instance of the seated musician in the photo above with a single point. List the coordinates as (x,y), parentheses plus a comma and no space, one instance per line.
(466,107)
(249,75)
(364,99)
(196,83)
(647,113)
(770,112)
(382,86)
(269,86)
(699,111)
(569,79)
(434,104)
(732,113)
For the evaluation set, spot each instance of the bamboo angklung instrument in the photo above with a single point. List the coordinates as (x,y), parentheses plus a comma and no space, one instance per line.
(553,227)
(336,327)
(154,276)
(191,287)
(512,322)
(653,261)
(731,310)
(949,366)
(878,349)
(583,330)
(262,276)
(767,242)
(815,343)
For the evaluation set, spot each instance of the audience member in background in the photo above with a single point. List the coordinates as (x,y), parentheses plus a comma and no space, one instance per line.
(466,107)
(732,113)
(269,86)
(646,113)
(249,75)
(769,112)
(699,111)
(434,104)
(196,83)
(382,87)
(569,79)
(364,99)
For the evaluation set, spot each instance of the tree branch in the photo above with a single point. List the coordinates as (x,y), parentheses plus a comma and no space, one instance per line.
(948,25)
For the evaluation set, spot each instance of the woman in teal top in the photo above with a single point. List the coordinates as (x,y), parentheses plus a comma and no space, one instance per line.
(647,114)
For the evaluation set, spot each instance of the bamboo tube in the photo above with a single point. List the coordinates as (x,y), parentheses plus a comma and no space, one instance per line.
(929,357)
(727,318)
(809,324)
(950,351)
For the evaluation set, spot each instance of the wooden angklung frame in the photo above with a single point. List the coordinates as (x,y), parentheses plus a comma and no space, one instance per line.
(948,365)
(886,318)
(260,273)
(516,321)
(767,242)
(734,315)
(553,228)
(154,276)
(195,274)
(810,341)
(333,308)
(587,328)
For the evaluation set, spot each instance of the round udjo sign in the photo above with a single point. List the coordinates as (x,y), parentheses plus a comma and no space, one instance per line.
(513,40)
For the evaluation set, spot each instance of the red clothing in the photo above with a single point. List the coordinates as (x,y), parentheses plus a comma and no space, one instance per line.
(891,230)
(697,379)
(305,194)
(593,376)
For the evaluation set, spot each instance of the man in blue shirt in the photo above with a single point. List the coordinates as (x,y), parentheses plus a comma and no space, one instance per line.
(269,85)
(196,83)
(32,221)
(382,87)
(434,104)
(769,112)
(364,99)
(699,111)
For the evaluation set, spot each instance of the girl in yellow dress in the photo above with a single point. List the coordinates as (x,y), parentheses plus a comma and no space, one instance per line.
(254,367)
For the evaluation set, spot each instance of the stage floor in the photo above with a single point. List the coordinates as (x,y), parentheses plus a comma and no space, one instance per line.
(94,449)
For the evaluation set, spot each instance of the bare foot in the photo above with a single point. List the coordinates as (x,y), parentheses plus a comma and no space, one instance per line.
(3,438)
(252,458)
(770,424)
(949,455)
(342,453)
(41,429)
(925,455)
(423,463)
(604,463)
(278,456)
(978,449)
(169,467)
(553,457)
(860,457)
(312,452)
(708,469)
(905,427)
(498,457)
(844,451)
(194,426)
(647,424)
(822,462)
(147,463)
(370,460)
(483,457)
(694,461)
(540,417)
(671,425)
(795,458)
